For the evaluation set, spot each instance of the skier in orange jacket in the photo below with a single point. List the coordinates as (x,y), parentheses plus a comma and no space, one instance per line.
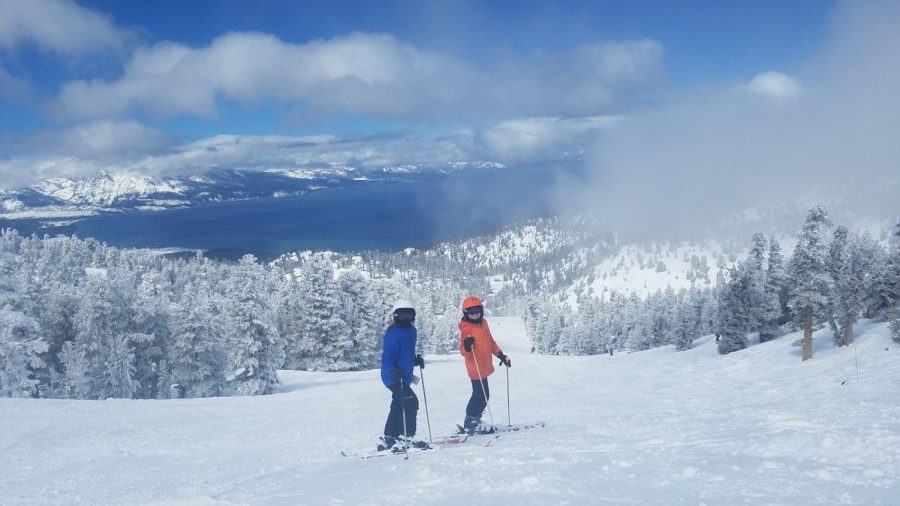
(477,345)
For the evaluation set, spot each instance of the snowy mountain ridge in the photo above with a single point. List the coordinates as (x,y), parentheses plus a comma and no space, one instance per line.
(107,189)
(129,191)
(561,255)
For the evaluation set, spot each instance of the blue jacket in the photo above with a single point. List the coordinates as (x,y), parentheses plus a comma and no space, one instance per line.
(399,353)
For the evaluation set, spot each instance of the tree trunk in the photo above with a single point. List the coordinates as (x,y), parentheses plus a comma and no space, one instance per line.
(807,333)
(847,338)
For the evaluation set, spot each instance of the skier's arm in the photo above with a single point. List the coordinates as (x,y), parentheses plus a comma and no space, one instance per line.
(391,353)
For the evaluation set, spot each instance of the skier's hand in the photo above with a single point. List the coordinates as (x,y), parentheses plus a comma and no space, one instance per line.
(504,360)
(397,374)
(420,362)
(468,342)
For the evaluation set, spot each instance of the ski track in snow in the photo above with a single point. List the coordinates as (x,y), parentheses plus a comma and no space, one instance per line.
(655,427)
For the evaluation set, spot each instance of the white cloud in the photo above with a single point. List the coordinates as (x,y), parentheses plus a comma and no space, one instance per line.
(367,75)
(113,147)
(286,152)
(81,150)
(97,141)
(59,26)
(548,137)
(690,162)
(774,85)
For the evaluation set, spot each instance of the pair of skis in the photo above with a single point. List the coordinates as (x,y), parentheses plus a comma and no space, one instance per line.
(447,441)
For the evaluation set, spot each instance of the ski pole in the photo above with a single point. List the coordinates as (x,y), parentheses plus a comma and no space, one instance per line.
(425,398)
(403,410)
(481,382)
(508,416)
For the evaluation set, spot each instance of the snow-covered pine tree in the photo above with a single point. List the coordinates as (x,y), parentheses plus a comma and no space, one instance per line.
(20,341)
(683,330)
(734,322)
(884,283)
(363,317)
(255,350)
(809,277)
(20,349)
(100,361)
(776,312)
(197,357)
(323,342)
(850,262)
(580,340)
(762,300)
(57,323)
(152,309)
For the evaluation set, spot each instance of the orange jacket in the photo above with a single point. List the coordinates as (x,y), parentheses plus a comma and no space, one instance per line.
(482,349)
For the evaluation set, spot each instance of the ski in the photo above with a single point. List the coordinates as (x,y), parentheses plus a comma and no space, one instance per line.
(455,439)
(437,443)
(501,429)
(383,453)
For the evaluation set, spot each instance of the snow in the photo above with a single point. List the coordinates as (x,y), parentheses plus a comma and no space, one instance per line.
(105,189)
(32,214)
(655,427)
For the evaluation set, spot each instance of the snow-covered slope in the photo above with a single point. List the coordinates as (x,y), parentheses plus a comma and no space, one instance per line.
(106,189)
(655,427)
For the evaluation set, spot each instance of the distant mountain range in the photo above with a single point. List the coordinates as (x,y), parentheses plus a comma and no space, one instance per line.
(58,197)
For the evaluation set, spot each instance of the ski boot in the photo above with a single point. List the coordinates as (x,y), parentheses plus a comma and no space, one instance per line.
(409,443)
(386,443)
(474,425)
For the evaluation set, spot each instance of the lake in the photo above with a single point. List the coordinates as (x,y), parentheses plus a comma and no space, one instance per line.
(379,216)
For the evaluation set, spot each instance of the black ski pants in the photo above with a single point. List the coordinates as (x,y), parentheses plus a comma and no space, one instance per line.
(478,401)
(401,401)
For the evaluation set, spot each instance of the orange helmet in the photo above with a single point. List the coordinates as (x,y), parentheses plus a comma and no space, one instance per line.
(471,301)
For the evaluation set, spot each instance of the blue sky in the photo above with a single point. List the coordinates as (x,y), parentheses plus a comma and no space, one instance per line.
(154,87)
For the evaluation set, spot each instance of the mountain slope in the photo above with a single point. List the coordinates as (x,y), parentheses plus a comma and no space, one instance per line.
(656,427)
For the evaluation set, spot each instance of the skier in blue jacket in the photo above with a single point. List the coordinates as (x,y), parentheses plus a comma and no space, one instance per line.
(398,359)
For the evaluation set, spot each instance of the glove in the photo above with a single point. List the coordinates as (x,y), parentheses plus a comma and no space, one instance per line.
(504,360)
(420,362)
(397,374)
(468,342)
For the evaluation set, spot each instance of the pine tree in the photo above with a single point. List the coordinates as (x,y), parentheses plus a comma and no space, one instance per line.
(850,261)
(323,341)
(151,313)
(57,323)
(255,349)
(20,349)
(197,357)
(733,302)
(775,309)
(684,322)
(362,316)
(809,277)
(884,284)
(100,361)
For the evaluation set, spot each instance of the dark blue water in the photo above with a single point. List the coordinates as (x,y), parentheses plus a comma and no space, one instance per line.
(380,216)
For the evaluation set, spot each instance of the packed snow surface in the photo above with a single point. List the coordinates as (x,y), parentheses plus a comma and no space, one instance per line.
(655,427)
